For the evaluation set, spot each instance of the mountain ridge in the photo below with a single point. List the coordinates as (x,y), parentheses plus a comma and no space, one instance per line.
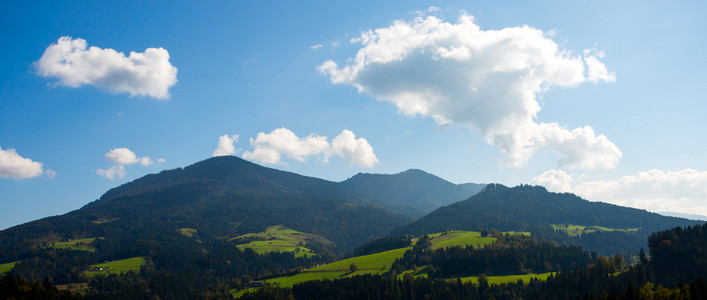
(413,192)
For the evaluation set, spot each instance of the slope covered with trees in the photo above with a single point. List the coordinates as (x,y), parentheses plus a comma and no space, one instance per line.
(413,192)
(534,209)
(184,221)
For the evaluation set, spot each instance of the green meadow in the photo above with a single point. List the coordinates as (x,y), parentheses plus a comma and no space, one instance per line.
(7,267)
(377,263)
(188,232)
(76,244)
(278,239)
(460,238)
(118,266)
(380,263)
(578,230)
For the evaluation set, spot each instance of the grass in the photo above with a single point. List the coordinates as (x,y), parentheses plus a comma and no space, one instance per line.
(118,266)
(76,244)
(578,230)
(380,263)
(279,239)
(460,238)
(188,232)
(508,278)
(377,263)
(103,220)
(7,267)
(236,293)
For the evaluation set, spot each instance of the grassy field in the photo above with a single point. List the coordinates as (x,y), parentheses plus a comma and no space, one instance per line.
(279,239)
(235,293)
(188,232)
(507,278)
(578,230)
(76,244)
(118,266)
(380,263)
(6,268)
(377,263)
(460,238)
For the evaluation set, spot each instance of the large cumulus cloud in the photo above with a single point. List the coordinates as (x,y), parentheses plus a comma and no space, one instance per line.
(73,64)
(488,80)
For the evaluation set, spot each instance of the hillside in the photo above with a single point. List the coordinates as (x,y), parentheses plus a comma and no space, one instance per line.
(222,197)
(534,209)
(413,192)
(186,221)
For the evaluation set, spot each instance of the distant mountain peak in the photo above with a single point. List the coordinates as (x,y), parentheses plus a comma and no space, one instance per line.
(413,192)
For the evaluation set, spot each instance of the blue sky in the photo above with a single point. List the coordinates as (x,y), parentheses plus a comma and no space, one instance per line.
(602,99)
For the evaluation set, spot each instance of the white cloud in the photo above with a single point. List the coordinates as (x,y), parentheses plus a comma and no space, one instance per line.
(15,166)
(112,172)
(655,190)
(487,80)
(354,151)
(554,180)
(271,147)
(50,173)
(121,157)
(432,9)
(316,47)
(225,145)
(146,161)
(72,63)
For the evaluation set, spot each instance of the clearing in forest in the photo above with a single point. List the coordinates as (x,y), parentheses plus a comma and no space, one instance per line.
(76,244)
(279,239)
(132,264)
(578,230)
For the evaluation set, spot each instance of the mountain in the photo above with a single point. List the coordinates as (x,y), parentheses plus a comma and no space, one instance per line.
(184,221)
(609,228)
(413,192)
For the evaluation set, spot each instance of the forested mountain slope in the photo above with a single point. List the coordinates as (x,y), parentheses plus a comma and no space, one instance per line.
(184,221)
(534,209)
(413,192)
